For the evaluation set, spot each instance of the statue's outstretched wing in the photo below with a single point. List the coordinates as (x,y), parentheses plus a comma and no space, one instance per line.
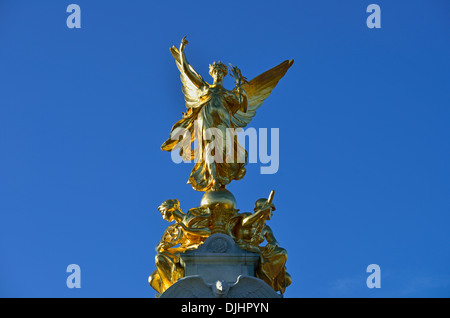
(191,88)
(258,89)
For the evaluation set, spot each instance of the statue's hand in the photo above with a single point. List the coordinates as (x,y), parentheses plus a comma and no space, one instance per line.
(161,247)
(184,42)
(242,91)
(237,75)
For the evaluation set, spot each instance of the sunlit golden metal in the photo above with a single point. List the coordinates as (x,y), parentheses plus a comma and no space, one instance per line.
(188,232)
(213,106)
(249,230)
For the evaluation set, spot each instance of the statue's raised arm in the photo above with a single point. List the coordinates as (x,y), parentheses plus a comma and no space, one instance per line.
(192,81)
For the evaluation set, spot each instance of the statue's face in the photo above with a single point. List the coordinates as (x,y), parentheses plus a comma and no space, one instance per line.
(260,204)
(217,74)
(167,215)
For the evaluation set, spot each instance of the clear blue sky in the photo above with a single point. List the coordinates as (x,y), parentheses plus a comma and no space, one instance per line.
(363,115)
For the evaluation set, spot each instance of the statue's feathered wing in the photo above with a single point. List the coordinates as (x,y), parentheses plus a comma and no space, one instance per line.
(258,89)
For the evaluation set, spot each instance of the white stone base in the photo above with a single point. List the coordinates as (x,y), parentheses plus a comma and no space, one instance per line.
(219,268)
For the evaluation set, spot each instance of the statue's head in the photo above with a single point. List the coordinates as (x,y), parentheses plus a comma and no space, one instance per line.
(218,71)
(167,208)
(260,203)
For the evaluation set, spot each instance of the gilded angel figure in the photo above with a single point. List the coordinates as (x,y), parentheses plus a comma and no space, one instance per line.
(211,111)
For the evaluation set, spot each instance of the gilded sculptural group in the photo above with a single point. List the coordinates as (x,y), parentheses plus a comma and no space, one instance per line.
(211,106)
(190,230)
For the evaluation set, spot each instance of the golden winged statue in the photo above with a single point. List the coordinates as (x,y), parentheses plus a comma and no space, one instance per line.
(212,112)
(214,115)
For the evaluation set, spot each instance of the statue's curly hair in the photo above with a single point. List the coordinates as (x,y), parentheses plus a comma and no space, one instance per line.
(220,65)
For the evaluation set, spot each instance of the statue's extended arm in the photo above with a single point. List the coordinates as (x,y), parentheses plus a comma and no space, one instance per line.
(270,238)
(249,220)
(168,240)
(185,65)
(163,246)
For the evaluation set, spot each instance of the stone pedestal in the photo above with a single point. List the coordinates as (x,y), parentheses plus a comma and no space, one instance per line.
(219,268)
(219,259)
